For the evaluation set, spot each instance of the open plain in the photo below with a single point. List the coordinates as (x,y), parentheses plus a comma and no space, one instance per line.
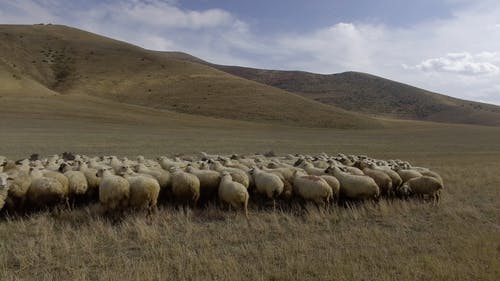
(63,89)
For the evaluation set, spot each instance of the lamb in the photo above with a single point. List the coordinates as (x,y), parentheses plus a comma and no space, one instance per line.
(355,187)
(144,190)
(209,182)
(422,186)
(44,191)
(312,188)
(114,191)
(233,193)
(267,183)
(4,188)
(185,187)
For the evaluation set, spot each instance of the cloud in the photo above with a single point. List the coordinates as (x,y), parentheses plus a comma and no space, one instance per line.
(165,15)
(461,63)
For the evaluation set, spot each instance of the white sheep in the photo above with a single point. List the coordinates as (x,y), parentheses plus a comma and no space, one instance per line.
(162,176)
(355,187)
(4,188)
(312,188)
(60,178)
(383,180)
(233,193)
(268,184)
(408,174)
(114,191)
(77,181)
(209,182)
(44,191)
(144,190)
(236,174)
(185,187)
(334,184)
(422,186)
(18,186)
(92,179)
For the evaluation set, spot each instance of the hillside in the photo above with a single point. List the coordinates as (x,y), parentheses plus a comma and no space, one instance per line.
(49,60)
(369,94)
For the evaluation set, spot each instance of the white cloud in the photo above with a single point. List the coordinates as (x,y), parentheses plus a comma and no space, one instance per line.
(461,63)
(165,15)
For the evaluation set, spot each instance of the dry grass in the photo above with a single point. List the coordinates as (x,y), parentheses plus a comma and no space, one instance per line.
(71,61)
(458,240)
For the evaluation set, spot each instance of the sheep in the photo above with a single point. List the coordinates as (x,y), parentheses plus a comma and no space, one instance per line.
(312,188)
(44,191)
(92,180)
(309,168)
(267,183)
(422,186)
(430,173)
(167,164)
(236,174)
(60,178)
(77,181)
(18,187)
(4,188)
(161,175)
(114,191)
(407,174)
(233,193)
(144,190)
(395,178)
(209,182)
(185,187)
(334,184)
(383,180)
(354,187)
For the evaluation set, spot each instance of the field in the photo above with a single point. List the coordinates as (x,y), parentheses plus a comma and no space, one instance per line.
(457,240)
(63,89)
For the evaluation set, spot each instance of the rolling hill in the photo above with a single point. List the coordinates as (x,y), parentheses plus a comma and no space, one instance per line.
(51,60)
(368,94)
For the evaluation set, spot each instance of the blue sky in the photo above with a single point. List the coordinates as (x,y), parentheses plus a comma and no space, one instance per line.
(448,46)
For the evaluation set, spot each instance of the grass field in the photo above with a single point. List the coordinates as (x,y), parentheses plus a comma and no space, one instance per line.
(457,240)
(62,89)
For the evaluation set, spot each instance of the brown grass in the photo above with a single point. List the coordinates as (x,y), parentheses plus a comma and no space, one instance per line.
(458,240)
(72,61)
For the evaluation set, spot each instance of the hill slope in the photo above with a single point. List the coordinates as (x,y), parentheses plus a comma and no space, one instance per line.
(369,94)
(53,59)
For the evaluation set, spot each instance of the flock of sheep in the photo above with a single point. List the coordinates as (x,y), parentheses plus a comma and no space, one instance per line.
(121,184)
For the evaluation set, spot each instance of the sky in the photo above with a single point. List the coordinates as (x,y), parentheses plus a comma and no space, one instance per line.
(447,46)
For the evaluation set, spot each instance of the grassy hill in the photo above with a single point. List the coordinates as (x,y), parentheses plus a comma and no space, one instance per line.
(369,94)
(47,60)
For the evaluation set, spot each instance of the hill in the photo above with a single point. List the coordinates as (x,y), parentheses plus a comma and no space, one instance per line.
(48,60)
(368,94)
